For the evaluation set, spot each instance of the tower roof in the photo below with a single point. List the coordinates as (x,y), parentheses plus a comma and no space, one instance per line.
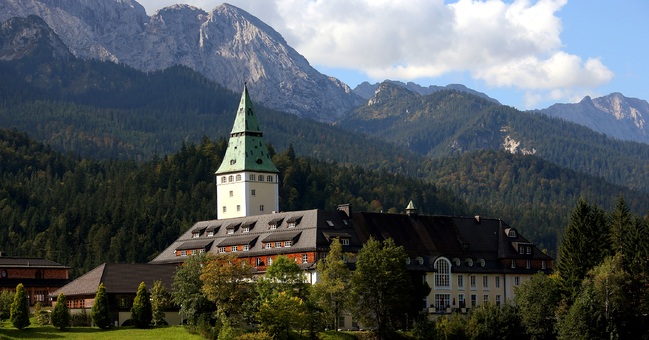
(411,206)
(246,149)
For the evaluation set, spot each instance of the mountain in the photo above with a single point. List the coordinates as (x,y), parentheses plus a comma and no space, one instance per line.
(367,90)
(31,35)
(227,45)
(450,122)
(615,115)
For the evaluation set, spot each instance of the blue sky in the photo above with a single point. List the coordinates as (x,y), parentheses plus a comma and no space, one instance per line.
(527,54)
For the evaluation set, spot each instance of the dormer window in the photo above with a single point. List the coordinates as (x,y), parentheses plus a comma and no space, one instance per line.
(278,244)
(528,250)
(269,245)
(293,221)
(331,224)
(457,262)
(469,262)
(210,233)
(230,231)
(246,247)
(521,249)
(511,232)
(233,248)
(221,249)
(344,241)
(420,260)
(482,262)
(345,222)
(183,253)
(272,226)
(512,263)
(287,243)
(196,234)
(246,229)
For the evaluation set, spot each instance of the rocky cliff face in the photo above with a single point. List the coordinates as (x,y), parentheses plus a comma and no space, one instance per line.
(615,115)
(228,45)
(30,36)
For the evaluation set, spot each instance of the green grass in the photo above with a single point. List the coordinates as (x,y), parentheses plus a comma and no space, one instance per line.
(7,331)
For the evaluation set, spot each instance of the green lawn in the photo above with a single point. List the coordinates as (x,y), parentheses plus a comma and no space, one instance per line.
(7,331)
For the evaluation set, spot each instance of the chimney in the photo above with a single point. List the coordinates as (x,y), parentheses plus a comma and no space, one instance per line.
(346,208)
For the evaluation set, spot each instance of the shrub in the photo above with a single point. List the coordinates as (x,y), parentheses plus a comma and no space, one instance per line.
(42,316)
(255,336)
(61,314)
(6,299)
(81,319)
(20,309)
(100,313)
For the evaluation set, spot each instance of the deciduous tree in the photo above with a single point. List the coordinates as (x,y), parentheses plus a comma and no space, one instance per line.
(332,290)
(538,300)
(160,301)
(226,282)
(188,288)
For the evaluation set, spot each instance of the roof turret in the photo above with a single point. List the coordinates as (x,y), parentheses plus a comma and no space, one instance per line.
(246,149)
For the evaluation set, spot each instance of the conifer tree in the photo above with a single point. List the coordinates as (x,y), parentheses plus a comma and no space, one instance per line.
(620,220)
(141,313)
(100,313)
(61,314)
(20,309)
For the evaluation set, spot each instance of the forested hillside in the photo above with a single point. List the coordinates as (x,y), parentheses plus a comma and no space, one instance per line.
(450,122)
(82,212)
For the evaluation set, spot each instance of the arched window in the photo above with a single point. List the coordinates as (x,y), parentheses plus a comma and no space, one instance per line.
(408,260)
(238,178)
(443,274)
(251,177)
(269,178)
(223,179)
(231,178)
(260,178)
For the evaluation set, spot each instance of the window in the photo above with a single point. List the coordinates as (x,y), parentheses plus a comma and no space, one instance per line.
(201,251)
(485,282)
(543,264)
(528,264)
(238,207)
(528,250)
(210,233)
(517,280)
(224,209)
(497,279)
(485,299)
(222,250)
(287,243)
(469,262)
(521,250)
(196,234)
(473,284)
(474,300)
(278,244)
(246,247)
(420,260)
(270,260)
(442,301)
(194,252)
(498,300)
(305,258)
(442,276)
(224,180)
(232,161)
(260,178)
(273,226)
(269,245)
(408,260)
(460,282)
(251,177)
(292,224)
(261,207)
(512,263)
(345,222)
(331,224)
(482,262)
(230,231)
(460,301)
(252,192)
(233,248)
(269,178)
(344,241)
(183,253)
(231,193)
(511,233)
(230,178)
(246,229)
(238,178)
(257,262)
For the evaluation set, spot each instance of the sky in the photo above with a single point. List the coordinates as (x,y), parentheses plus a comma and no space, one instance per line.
(526,54)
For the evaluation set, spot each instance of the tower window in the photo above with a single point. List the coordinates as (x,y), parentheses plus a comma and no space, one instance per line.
(252,192)
(238,178)
(260,178)
(231,193)
(238,207)
(224,209)
(251,177)
(269,178)
(223,179)
(261,208)
(232,161)
(230,178)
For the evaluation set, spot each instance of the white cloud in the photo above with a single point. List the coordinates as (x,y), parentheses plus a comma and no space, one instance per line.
(513,44)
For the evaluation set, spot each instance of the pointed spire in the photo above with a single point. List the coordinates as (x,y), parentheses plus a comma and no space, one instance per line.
(411,211)
(245,120)
(411,206)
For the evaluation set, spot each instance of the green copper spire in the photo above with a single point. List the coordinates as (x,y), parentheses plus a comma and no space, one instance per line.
(246,149)
(411,206)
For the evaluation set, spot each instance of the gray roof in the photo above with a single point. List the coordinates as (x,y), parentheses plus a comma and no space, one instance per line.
(195,244)
(29,262)
(238,240)
(284,236)
(119,278)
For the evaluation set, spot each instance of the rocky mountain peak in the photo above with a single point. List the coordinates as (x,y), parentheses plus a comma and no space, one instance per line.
(30,36)
(388,91)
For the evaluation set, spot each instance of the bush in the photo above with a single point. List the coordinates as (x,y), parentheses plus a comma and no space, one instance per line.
(255,336)
(61,314)
(6,299)
(100,313)
(81,319)
(425,328)
(20,309)
(42,316)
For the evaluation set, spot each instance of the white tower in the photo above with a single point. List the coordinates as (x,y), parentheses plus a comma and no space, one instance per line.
(246,181)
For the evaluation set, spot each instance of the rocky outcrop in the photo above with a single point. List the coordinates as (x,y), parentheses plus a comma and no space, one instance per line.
(512,146)
(227,45)
(615,115)
(367,90)
(30,36)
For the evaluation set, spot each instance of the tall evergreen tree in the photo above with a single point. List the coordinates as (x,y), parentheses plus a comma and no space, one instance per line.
(100,313)
(141,313)
(61,314)
(20,309)
(620,221)
(585,244)
(332,288)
